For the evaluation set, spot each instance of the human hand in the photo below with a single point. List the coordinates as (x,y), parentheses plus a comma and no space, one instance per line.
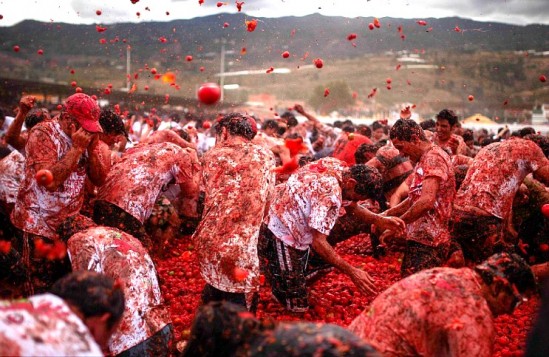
(394,224)
(81,139)
(453,143)
(299,108)
(363,281)
(26,103)
(406,113)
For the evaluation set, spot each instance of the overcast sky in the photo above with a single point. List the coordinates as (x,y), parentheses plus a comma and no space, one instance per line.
(520,12)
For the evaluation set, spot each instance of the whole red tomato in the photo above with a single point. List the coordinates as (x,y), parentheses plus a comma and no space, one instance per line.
(44,177)
(209,93)
(545,210)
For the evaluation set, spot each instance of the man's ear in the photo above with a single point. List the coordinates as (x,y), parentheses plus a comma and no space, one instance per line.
(350,183)
(97,322)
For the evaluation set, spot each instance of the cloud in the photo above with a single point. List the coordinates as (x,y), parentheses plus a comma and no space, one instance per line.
(83,11)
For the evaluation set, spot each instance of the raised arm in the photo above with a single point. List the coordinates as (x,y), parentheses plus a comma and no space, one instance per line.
(13,135)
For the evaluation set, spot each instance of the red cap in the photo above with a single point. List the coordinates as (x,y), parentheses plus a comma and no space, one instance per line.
(85,110)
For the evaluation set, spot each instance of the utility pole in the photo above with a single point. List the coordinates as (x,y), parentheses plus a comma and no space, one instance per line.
(222,69)
(128,68)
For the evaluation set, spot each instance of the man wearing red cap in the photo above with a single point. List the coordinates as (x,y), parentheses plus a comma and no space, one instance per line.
(69,148)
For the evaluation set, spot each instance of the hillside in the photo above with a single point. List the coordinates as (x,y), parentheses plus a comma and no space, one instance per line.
(441,63)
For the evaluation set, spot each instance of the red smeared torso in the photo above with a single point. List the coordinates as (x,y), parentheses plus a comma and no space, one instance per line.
(432,228)
(135,182)
(43,325)
(12,172)
(37,210)
(310,200)
(238,181)
(121,256)
(496,174)
(436,312)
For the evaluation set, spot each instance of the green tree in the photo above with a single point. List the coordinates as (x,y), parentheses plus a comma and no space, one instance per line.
(338,97)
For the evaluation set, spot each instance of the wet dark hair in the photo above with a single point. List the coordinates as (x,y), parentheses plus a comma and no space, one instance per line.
(175,117)
(225,329)
(112,123)
(449,115)
(428,124)
(93,294)
(183,134)
(362,151)
(369,180)
(404,129)
(270,124)
(526,131)
(468,135)
(541,141)
(510,267)
(291,120)
(487,141)
(304,160)
(219,329)
(34,116)
(460,172)
(4,151)
(377,125)
(348,128)
(237,124)
(364,129)
(73,225)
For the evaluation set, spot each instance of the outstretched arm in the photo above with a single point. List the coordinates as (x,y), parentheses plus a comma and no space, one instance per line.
(360,278)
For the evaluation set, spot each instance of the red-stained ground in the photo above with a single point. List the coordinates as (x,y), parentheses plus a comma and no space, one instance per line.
(334,297)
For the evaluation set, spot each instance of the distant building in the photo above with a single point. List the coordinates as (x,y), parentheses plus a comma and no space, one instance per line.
(540,114)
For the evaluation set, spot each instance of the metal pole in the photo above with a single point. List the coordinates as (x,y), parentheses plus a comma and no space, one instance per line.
(222,69)
(128,69)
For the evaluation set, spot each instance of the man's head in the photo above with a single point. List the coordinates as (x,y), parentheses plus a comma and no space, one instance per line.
(82,111)
(408,137)
(96,298)
(469,138)
(365,152)
(236,124)
(35,116)
(378,130)
(541,141)
(527,131)
(364,129)
(506,276)
(220,328)
(290,119)
(428,124)
(113,127)
(270,127)
(446,121)
(361,182)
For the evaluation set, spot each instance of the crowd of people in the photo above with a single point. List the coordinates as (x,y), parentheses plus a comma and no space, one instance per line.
(90,198)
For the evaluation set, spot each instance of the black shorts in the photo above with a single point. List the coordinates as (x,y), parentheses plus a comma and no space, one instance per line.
(478,236)
(110,215)
(286,272)
(246,300)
